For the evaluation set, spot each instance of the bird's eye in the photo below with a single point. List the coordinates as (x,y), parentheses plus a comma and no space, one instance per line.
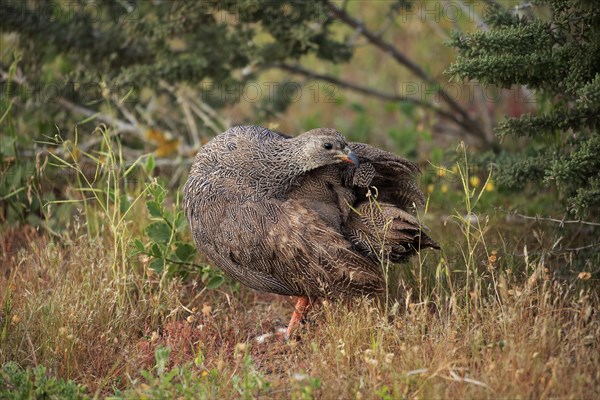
(328,146)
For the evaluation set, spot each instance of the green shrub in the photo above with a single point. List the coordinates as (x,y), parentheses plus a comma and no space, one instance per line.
(557,57)
(34,383)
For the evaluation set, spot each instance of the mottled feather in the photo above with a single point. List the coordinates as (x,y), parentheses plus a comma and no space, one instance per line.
(289,216)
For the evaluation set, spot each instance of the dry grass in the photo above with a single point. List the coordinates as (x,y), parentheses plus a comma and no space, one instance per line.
(520,338)
(481,319)
(477,320)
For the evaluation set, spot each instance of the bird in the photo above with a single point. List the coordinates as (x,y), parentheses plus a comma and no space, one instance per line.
(310,216)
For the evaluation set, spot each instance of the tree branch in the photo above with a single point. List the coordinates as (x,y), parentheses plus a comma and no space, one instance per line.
(119,125)
(401,58)
(296,69)
(561,222)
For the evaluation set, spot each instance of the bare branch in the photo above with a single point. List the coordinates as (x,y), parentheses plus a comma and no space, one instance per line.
(561,222)
(366,90)
(478,20)
(343,16)
(119,125)
(492,3)
(401,58)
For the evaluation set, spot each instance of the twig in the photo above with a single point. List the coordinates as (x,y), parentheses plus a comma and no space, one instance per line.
(189,105)
(119,125)
(16,78)
(378,41)
(589,246)
(492,3)
(457,378)
(477,18)
(365,90)
(32,347)
(416,372)
(119,128)
(562,222)
(401,58)
(191,122)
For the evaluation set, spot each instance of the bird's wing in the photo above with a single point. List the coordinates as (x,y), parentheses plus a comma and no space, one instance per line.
(382,223)
(391,175)
(382,230)
(285,247)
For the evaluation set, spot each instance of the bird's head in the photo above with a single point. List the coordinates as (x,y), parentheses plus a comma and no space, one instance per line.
(325,146)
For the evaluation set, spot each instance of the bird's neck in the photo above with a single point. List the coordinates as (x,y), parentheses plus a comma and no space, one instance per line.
(286,162)
(290,153)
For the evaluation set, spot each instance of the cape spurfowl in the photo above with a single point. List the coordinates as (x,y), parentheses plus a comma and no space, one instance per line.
(308,216)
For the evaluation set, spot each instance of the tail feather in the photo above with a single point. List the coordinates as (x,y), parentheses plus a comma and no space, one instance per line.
(383,230)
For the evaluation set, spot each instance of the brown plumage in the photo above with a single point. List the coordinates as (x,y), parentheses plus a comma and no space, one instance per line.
(293,216)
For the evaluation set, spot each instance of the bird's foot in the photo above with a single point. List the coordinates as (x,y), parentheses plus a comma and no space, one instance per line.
(280,335)
(287,334)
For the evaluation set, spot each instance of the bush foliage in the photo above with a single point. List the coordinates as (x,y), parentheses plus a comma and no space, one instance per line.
(559,58)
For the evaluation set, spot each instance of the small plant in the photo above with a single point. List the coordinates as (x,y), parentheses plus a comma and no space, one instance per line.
(34,383)
(250,381)
(307,387)
(20,192)
(164,383)
(472,228)
(102,178)
(164,241)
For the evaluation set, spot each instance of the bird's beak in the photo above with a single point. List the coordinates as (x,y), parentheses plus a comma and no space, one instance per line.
(349,157)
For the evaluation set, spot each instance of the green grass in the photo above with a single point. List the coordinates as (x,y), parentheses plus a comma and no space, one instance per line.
(88,308)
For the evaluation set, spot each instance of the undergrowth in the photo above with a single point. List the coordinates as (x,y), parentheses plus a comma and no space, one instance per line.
(118,304)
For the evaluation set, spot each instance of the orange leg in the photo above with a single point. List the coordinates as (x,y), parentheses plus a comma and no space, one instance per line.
(302,306)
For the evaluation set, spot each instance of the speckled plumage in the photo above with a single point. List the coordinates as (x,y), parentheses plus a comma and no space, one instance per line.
(287,216)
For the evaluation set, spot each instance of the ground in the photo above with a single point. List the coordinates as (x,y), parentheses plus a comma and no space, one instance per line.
(520,331)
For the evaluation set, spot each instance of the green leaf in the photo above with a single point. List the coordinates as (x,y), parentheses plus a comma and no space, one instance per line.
(157,192)
(168,377)
(407,108)
(180,222)
(7,146)
(168,215)
(184,251)
(162,355)
(139,245)
(147,375)
(215,282)
(199,358)
(154,209)
(157,265)
(150,163)
(125,203)
(357,107)
(159,232)
(155,251)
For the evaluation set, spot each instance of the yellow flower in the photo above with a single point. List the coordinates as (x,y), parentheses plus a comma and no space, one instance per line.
(430,188)
(206,310)
(489,186)
(166,143)
(204,373)
(584,276)
(474,181)
(444,188)
(441,172)
(240,347)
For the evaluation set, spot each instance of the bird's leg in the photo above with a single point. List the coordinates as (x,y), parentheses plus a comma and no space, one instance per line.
(302,306)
